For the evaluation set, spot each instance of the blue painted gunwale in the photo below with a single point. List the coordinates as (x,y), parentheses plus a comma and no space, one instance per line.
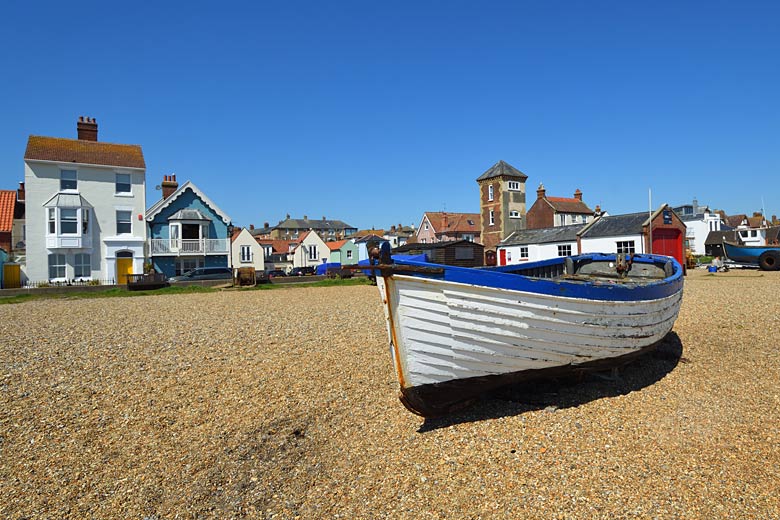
(602,290)
(748,254)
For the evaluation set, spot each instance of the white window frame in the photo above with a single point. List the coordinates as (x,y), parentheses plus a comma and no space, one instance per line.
(490,192)
(492,218)
(58,275)
(51,221)
(513,185)
(523,252)
(246,254)
(129,221)
(564,249)
(514,214)
(70,221)
(349,254)
(82,263)
(195,260)
(64,181)
(129,184)
(313,253)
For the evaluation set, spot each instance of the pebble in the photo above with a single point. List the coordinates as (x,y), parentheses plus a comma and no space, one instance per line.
(283,404)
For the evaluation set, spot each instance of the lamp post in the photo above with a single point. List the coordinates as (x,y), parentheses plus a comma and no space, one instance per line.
(230,229)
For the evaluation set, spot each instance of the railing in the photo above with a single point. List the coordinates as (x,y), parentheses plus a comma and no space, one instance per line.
(31,284)
(203,246)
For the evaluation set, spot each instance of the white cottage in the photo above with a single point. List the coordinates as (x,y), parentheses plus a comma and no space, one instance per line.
(85,204)
(245,251)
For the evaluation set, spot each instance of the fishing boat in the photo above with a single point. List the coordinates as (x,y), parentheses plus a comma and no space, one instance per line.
(766,257)
(458,332)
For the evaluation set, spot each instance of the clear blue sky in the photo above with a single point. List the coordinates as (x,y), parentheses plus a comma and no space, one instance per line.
(374,112)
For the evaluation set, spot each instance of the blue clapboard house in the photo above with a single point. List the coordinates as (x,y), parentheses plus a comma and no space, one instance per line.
(186,230)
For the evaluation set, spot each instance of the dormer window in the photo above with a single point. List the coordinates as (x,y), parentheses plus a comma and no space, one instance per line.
(68,181)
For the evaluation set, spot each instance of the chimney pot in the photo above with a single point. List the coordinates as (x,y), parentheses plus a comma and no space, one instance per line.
(87,129)
(169,185)
(540,191)
(265,224)
(578,195)
(251,227)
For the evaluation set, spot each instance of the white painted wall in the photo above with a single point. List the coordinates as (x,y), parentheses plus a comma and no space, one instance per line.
(609,244)
(301,255)
(97,185)
(245,238)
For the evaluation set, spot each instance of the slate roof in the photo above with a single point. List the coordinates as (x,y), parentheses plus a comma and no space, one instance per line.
(299,223)
(188,214)
(67,200)
(502,169)
(567,205)
(735,220)
(616,225)
(7,204)
(544,235)
(717,237)
(368,238)
(456,222)
(84,152)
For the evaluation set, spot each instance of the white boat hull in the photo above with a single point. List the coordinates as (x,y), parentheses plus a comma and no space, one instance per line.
(443,332)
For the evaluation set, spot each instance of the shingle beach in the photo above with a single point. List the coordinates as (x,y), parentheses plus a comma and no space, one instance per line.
(283,404)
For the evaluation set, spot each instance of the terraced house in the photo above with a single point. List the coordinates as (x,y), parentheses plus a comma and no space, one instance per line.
(85,201)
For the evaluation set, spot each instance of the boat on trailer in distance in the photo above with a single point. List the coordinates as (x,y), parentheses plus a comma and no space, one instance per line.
(457,332)
(766,257)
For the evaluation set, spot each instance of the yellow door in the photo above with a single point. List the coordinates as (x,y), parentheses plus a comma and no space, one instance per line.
(124,266)
(12,278)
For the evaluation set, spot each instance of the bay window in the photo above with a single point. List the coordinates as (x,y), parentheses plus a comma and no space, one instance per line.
(69,221)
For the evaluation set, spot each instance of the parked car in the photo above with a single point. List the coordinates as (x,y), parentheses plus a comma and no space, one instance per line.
(205,273)
(276,272)
(302,271)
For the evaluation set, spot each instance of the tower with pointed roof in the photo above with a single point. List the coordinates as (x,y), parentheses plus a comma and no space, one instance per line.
(501,203)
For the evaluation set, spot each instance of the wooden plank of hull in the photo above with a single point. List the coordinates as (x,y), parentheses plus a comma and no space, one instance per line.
(444,332)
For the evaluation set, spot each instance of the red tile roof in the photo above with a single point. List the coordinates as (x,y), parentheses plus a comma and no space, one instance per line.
(278,246)
(7,203)
(84,152)
(333,246)
(565,205)
(455,222)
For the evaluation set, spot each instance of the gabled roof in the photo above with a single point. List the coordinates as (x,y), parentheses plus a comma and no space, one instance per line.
(278,246)
(336,245)
(544,235)
(368,238)
(455,222)
(79,151)
(567,205)
(735,220)
(502,169)
(616,225)
(717,237)
(7,204)
(164,203)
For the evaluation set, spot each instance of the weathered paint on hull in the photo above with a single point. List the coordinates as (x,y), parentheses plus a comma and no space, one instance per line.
(453,341)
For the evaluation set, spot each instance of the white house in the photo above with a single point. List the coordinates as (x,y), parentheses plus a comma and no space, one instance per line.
(311,250)
(245,251)
(622,234)
(698,227)
(85,204)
